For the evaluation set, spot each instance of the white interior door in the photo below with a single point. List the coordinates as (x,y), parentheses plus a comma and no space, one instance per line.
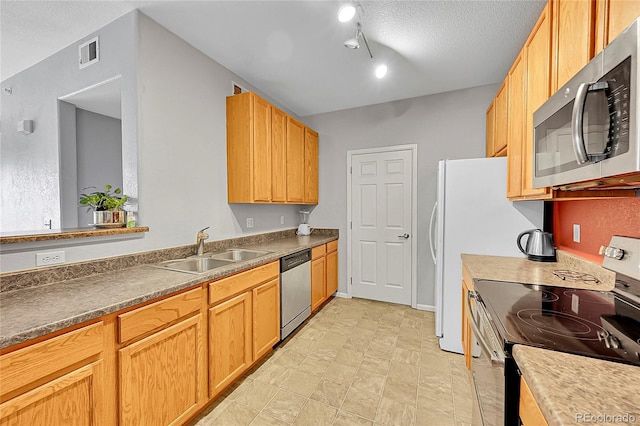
(381,214)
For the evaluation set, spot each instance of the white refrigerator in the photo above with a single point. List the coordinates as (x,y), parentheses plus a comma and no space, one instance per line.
(472,215)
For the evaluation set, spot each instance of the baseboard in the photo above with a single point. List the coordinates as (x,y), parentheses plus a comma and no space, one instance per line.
(343,295)
(429,308)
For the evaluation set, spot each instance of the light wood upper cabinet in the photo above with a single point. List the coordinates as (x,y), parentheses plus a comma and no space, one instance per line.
(271,157)
(490,132)
(538,90)
(278,156)
(612,17)
(310,166)
(516,123)
(501,128)
(295,161)
(572,37)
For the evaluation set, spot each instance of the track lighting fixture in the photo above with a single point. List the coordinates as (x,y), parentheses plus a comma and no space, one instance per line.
(345,14)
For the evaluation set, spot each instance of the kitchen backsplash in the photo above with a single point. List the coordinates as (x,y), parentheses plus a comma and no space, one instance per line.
(598,220)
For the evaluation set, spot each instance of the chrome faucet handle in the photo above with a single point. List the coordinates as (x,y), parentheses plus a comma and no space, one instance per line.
(202,231)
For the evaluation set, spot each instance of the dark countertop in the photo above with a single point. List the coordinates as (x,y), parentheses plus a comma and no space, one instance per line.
(33,312)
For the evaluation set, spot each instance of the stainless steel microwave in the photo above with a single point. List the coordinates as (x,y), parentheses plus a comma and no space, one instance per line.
(588,129)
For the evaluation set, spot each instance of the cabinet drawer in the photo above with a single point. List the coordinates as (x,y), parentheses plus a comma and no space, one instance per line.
(156,315)
(32,363)
(332,246)
(316,252)
(235,284)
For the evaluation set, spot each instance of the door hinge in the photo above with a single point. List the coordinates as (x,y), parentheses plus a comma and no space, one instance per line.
(350,170)
(350,225)
(350,280)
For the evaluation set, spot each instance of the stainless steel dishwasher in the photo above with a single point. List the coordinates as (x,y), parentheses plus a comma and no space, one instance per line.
(295,291)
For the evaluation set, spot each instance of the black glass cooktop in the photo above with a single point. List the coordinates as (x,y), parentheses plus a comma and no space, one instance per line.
(586,322)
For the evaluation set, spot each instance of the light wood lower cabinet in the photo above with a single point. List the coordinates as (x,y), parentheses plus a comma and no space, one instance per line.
(58,381)
(229,341)
(160,375)
(266,317)
(324,273)
(244,323)
(530,414)
(467,334)
(332,268)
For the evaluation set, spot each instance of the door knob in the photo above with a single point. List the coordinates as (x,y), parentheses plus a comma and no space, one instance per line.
(405,236)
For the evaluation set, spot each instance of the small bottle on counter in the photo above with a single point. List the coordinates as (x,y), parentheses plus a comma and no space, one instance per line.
(131,220)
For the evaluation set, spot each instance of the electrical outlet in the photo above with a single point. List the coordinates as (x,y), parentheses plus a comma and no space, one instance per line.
(282,220)
(50,258)
(249,222)
(576,233)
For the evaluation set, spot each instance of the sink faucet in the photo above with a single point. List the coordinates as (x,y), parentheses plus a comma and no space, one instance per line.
(200,237)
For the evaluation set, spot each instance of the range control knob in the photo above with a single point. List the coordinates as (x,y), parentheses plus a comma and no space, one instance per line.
(612,252)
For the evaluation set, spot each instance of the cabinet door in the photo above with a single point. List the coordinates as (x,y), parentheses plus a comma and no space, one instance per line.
(332,273)
(490,142)
(529,411)
(278,155)
(318,282)
(466,328)
(501,126)
(573,39)
(517,85)
(613,16)
(295,161)
(73,399)
(310,166)
(538,84)
(261,150)
(266,317)
(160,376)
(229,341)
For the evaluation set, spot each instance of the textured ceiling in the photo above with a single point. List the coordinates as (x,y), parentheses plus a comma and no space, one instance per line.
(293,50)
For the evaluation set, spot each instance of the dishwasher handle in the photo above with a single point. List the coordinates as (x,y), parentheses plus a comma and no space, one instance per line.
(296,259)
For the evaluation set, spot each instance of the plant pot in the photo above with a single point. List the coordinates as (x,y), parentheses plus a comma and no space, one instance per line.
(109,219)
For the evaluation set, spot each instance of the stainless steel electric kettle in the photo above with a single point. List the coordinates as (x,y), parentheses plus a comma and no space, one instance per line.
(539,245)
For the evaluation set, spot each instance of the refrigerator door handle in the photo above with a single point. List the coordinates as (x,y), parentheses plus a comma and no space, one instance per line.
(432,243)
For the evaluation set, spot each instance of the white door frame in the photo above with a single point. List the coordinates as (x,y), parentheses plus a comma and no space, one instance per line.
(414,212)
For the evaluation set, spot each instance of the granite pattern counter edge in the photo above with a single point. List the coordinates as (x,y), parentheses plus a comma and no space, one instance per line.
(190,280)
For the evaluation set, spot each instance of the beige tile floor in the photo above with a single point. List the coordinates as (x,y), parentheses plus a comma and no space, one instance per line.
(356,362)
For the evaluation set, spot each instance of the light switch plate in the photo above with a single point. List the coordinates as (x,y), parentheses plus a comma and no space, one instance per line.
(282,220)
(249,222)
(576,232)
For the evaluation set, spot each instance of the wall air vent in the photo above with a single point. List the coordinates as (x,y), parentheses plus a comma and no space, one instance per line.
(237,89)
(89,52)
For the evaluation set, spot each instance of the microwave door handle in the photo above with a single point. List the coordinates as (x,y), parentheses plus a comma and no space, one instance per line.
(576,124)
(577,115)
(493,355)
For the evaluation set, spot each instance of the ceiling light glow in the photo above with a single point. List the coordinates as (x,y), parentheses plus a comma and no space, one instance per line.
(346,13)
(381,70)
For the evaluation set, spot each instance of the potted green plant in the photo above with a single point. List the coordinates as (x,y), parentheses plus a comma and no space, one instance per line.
(106,206)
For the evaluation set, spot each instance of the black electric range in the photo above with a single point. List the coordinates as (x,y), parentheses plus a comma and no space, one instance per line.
(586,322)
(598,324)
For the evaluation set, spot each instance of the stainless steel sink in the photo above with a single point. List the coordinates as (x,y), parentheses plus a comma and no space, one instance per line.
(238,255)
(197,265)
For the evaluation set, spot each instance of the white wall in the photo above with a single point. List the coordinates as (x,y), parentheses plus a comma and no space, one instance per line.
(181,156)
(447,125)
